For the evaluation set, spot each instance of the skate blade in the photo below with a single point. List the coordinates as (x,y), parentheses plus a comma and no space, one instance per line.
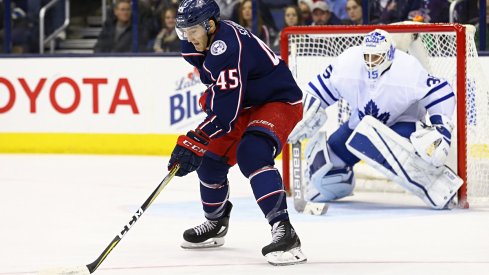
(213,242)
(291,257)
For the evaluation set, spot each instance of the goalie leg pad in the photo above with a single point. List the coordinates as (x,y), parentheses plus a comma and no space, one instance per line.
(337,142)
(330,177)
(394,156)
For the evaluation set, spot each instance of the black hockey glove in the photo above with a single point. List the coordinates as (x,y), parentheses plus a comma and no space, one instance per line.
(189,152)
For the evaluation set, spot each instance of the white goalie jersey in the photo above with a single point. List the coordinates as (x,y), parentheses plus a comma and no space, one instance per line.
(404,92)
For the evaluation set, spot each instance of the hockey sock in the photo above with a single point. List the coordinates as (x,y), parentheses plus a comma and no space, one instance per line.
(270,194)
(214,198)
(255,159)
(214,187)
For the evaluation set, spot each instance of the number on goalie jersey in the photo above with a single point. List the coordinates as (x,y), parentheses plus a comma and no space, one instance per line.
(389,85)
(249,91)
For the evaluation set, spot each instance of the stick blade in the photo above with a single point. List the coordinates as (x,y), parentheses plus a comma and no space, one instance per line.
(79,270)
(316,208)
(311,208)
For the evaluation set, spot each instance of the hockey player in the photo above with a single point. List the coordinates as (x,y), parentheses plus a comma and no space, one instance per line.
(252,104)
(390,95)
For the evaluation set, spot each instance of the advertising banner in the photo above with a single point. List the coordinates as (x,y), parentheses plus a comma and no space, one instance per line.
(90,99)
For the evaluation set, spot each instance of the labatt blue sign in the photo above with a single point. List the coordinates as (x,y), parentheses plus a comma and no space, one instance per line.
(184,104)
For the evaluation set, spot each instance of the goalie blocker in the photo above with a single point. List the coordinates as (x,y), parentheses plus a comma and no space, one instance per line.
(396,157)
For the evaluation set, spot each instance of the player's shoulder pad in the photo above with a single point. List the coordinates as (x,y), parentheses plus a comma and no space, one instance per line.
(403,60)
(226,41)
(401,77)
(218,47)
(225,45)
(406,58)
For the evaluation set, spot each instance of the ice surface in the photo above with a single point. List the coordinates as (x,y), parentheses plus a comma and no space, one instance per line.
(63,210)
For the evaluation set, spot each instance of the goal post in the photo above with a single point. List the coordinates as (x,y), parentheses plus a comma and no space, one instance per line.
(450,53)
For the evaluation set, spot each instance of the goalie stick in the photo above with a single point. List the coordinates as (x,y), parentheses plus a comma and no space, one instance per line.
(90,268)
(301,205)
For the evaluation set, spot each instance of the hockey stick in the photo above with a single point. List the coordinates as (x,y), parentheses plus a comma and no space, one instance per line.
(301,205)
(90,268)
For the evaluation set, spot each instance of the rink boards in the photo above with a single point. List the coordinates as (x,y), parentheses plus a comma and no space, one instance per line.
(100,105)
(114,105)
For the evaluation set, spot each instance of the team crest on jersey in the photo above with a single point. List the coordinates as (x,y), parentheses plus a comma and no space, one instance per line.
(372,109)
(218,47)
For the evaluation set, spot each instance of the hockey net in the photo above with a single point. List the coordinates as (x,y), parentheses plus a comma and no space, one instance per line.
(447,51)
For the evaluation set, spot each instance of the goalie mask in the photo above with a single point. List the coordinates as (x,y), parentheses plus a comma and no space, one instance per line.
(194,15)
(378,52)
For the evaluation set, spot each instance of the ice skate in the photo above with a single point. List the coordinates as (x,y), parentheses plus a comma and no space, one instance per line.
(209,234)
(285,248)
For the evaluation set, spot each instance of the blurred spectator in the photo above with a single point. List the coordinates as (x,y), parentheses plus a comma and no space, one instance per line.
(354,10)
(338,8)
(227,8)
(292,17)
(168,3)
(2,14)
(246,20)
(2,19)
(306,10)
(167,39)
(477,27)
(428,11)
(467,12)
(53,19)
(150,14)
(23,37)
(116,34)
(390,11)
(157,6)
(432,11)
(322,15)
(264,13)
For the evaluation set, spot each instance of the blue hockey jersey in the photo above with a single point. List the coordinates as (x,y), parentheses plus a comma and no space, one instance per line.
(240,71)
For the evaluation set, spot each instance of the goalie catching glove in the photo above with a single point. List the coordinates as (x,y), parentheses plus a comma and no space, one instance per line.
(432,143)
(189,152)
(313,119)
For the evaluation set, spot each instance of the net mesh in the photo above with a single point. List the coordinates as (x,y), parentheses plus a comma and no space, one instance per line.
(437,51)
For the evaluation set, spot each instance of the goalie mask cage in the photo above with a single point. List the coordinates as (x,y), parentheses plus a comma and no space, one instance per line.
(445,50)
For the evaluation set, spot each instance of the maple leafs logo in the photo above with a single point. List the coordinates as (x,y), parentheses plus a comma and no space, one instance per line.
(372,109)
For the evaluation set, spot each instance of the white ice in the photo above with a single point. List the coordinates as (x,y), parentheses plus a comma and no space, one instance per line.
(63,210)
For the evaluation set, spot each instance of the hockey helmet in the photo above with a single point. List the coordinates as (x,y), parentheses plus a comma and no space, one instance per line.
(378,52)
(195,12)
